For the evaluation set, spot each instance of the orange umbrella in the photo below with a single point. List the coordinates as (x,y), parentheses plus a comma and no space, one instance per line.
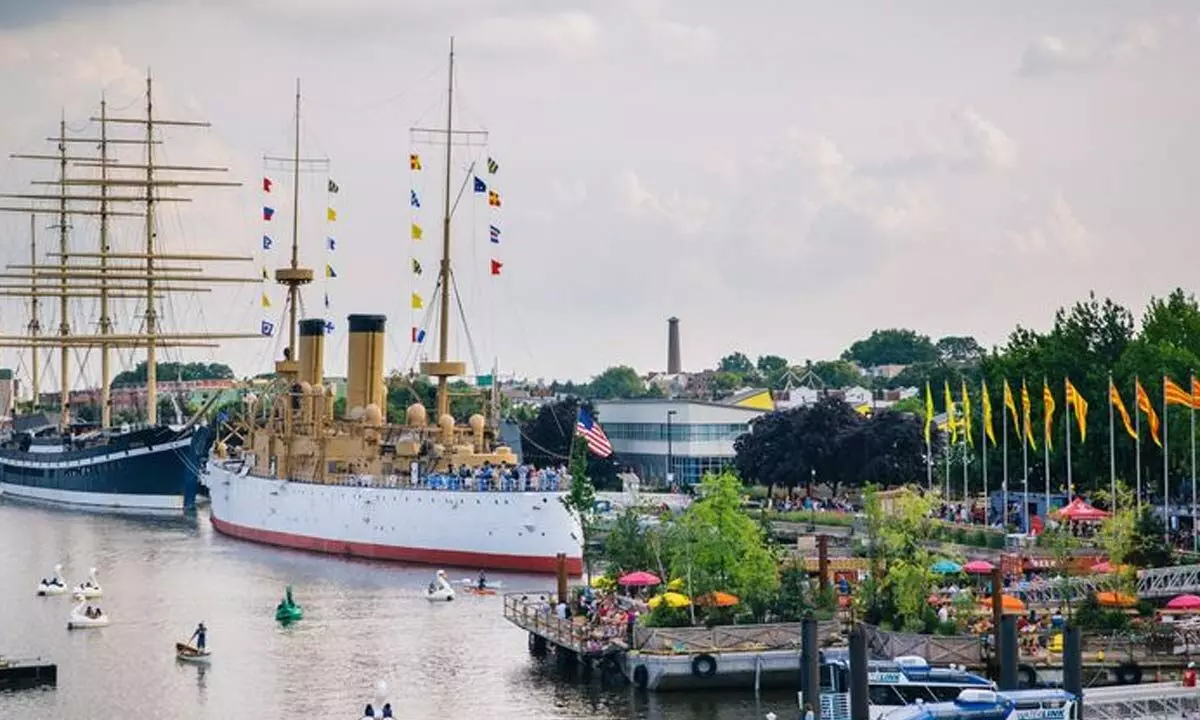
(1008,604)
(718,599)
(1116,599)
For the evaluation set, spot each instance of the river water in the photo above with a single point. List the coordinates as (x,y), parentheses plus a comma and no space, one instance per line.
(364,622)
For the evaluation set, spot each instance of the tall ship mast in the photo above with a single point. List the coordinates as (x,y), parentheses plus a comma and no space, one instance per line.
(54,456)
(291,473)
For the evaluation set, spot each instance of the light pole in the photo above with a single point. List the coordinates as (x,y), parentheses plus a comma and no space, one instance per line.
(670,475)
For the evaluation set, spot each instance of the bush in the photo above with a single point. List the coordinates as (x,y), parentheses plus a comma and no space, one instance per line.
(664,616)
(979,539)
(995,541)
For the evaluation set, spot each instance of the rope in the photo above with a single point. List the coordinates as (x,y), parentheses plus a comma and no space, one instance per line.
(466,328)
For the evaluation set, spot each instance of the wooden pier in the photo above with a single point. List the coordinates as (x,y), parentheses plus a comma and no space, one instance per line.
(27,672)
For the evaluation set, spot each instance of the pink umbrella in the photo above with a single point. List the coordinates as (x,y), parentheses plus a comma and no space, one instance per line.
(1102,567)
(978,567)
(1184,602)
(640,578)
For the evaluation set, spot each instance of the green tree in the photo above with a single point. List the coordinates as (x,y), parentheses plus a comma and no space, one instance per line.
(627,546)
(723,384)
(175,371)
(619,382)
(839,374)
(771,369)
(715,546)
(895,346)
(1148,548)
(736,363)
(900,575)
(959,350)
(581,498)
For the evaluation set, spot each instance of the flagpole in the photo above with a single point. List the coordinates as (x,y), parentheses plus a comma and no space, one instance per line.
(1025,455)
(983,437)
(929,462)
(1112,450)
(1004,481)
(1192,405)
(949,445)
(1070,486)
(1137,419)
(966,493)
(1166,478)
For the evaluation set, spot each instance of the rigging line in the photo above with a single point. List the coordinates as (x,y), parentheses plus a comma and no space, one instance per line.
(462,314)
(462,188)
(548,452)
(376,103)
(415,348)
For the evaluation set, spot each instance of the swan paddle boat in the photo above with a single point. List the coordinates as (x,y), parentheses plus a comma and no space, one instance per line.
(84,617)
(54,586)
(88,589)
(190,653)
(287,611)
(440,589)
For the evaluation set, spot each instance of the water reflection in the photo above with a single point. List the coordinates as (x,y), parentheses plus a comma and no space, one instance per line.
(364,622)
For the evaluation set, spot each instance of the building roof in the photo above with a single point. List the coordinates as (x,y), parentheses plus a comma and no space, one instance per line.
(678,401)
(757,398)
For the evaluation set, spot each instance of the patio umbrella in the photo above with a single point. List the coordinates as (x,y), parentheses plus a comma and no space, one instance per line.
(1008,604)
(1102,567)
(641,578)
(718,599)
(978,567)
(672,599)
(1080,510)
(1115,599)
(946,567)
(1184,602)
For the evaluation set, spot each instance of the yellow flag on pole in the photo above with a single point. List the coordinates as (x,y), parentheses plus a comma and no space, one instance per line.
(987,414)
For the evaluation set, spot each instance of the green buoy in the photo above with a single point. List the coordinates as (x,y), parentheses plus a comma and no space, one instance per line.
(287,611)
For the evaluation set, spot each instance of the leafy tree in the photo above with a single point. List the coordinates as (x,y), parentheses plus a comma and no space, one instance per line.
(839,374)
(736,363)
(581,499)
(717,547)
(620,381)
(723,384)
(892,347)
(796,444)
(771,369)
(959,350)
(547,441)
(901,577)
(888,450)
(627,547)
(1149,549)
(175,371)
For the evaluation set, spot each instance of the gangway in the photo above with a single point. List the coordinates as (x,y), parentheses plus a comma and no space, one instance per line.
(1050,592)
(1169,581)
(1152,701)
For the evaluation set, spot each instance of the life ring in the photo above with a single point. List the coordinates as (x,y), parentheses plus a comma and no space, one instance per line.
(1027,677)
(1128,673)
(704,666)
(641,676)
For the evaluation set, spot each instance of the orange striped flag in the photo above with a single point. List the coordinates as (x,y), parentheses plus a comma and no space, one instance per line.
(1144,404)
(1079,406)
(1174,394)
(1114,397)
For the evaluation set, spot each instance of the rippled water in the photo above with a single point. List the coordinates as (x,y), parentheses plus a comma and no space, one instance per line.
(364,622)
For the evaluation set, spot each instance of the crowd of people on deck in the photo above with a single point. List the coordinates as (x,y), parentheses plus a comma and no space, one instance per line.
(485,478)
(839,503)
(598,618)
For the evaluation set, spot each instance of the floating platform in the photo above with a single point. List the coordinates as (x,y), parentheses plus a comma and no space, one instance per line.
(27,672)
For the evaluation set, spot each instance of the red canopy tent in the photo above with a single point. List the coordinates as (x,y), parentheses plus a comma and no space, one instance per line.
(1079,511)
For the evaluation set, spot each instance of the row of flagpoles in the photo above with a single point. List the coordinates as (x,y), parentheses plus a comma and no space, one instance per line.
(1077,405)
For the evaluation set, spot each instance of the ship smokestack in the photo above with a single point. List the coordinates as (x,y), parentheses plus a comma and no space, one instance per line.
(312,351)
(364,381)
(674,366)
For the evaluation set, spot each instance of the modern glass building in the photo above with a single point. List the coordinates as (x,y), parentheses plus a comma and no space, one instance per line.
(697,436)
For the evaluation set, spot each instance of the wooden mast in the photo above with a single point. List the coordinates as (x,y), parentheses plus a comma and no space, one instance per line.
(35,324)
(64,327)
(443,395)
(105,319)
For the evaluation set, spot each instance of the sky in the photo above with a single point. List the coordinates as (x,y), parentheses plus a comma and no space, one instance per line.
(783,177)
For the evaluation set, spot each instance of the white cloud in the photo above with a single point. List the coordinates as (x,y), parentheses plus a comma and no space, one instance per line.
(987,144)
(566,33)
(1057,231)
(1049,54)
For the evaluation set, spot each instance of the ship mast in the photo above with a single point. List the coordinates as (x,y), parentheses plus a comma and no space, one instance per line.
(141,279)
(445,368)
(35,325)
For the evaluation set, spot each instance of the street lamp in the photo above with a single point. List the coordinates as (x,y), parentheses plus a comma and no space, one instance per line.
(670,475)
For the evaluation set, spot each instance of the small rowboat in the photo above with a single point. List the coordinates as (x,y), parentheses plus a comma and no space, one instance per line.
(477,591)
(189,653)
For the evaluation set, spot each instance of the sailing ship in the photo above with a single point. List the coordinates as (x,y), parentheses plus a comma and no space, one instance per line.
(54,457)
(293,475)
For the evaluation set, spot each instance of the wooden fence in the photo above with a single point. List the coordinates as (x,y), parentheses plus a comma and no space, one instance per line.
(731,638)
(936,649)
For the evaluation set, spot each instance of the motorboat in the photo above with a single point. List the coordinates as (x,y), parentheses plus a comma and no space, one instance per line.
(54,586)
(287,611)
(81,620)
(88,589)
(440,589)
(190,653)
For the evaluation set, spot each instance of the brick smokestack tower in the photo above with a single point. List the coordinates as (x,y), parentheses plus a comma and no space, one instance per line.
(674,367)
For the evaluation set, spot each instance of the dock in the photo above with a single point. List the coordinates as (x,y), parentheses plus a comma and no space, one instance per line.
(27,672)
(572,643)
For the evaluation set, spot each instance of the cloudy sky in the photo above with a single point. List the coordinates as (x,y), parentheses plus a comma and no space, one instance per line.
(782,176)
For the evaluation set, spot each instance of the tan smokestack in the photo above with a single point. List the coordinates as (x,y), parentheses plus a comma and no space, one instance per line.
(312,351)
(364,381)
(674,366)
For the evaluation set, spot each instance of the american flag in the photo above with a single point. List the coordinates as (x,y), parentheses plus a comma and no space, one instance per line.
(597,441)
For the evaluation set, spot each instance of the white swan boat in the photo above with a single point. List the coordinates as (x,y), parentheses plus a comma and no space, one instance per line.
(190,653)
(440,589)
(54,586)
(88,589)
(79,620)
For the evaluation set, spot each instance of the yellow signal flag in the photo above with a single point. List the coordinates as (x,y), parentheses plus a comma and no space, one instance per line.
(416,232)
(417,302)
(266,301)
(1047,415)
(1079,406)
(331,215)
(1011,404)
(1027,415)
(414,161)
(1144,404)
(987,414)
(1114,398)
(928,413)
(950,423)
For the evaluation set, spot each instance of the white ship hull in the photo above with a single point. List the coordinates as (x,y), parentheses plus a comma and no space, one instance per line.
(521,531)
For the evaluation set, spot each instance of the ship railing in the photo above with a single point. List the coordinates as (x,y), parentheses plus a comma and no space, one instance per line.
(533,612)
(447,483)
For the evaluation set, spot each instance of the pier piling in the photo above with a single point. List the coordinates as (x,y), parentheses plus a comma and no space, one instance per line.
(560,564)
(1006,652)
(860,708)
(823,562)
(1073,665)
(810,664)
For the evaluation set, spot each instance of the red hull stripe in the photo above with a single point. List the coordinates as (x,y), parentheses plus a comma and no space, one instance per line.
(424,556)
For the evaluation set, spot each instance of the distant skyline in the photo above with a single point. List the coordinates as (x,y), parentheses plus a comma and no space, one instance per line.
(782,177)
